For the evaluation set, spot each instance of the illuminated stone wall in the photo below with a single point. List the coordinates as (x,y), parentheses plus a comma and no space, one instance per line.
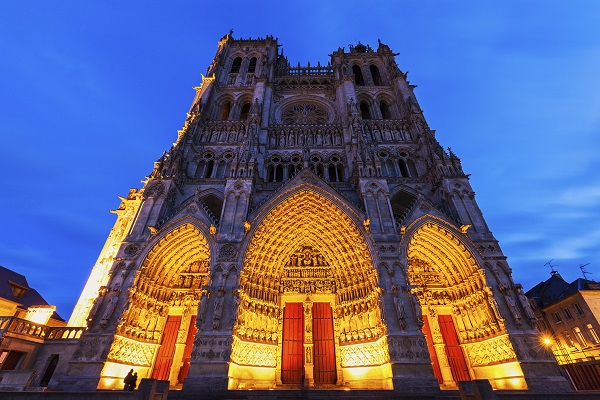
(310,185)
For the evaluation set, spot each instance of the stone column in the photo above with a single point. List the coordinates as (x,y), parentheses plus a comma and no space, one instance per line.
(309,379)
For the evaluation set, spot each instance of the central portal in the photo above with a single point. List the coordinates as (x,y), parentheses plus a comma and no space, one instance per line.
(308,348)
(308,308)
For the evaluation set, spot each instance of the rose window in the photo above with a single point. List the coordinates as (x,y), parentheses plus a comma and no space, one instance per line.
(305,113)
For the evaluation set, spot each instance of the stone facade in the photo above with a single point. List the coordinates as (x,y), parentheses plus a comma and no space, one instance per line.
(305,229)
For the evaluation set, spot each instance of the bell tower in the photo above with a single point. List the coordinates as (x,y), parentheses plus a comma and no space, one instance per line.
(306,229)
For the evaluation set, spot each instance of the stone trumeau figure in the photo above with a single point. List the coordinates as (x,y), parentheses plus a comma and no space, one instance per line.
(306,228)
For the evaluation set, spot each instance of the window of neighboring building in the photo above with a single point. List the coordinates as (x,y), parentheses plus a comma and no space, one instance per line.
(236,65)
(578,309)
(567,313)
(568,339)
(579,336)
(557,317)
(17,290)
(593,334)
(252,65)
(10,360)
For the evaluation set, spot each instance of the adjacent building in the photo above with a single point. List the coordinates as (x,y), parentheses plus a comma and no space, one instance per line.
(568,319)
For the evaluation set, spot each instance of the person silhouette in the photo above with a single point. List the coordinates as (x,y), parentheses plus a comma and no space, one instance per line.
(128,380)
(133,382)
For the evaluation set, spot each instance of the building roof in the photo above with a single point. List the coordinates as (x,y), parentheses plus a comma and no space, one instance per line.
(14,287)
(556,288)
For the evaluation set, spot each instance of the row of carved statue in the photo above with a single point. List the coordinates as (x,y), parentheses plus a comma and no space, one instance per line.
(301,136)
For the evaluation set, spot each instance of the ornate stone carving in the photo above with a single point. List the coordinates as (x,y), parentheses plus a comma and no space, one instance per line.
(307,272)
(154,189)
(491,351)
(402,348)
(132,249)
(92,349)
(374,353)
(227,252)
(254,354)
(130,352)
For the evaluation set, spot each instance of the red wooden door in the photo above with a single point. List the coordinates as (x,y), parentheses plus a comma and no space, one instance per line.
(434,360)
(292,360)
(164,358)
(456,357)
(187,353)
(324,344)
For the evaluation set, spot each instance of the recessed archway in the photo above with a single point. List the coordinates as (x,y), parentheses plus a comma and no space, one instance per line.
(462,321)
(307,267)
(155,333)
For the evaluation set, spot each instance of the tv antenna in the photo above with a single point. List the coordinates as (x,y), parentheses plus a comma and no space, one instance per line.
(583,271)
(552,270)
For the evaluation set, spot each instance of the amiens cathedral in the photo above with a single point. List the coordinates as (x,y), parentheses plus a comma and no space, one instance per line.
(306,229)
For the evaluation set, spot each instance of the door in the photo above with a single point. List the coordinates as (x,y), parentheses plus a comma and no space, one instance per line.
(187,353)
(292,360)
(324,344)
(456,357)
(164,358)
(434,360)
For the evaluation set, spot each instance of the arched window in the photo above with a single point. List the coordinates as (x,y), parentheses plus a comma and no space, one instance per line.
(224,112)
(245,111)
(364,110)
(391,169)
(375,75)
(411,168)
(235,66)
(252,65)
(358,77)
(214,205)
(385,110)
(208,170)
(403,169)
(278,173)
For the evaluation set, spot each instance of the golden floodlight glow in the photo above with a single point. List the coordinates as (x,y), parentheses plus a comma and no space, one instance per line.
(307,225)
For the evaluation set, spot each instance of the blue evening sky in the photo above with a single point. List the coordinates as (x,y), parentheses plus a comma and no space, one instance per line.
(91,94)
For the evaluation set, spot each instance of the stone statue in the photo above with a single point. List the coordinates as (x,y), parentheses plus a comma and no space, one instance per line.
(400,311)
(512,306)
(218,310)
(526,306)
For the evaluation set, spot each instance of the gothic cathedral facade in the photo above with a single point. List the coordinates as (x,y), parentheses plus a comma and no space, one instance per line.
(306,229)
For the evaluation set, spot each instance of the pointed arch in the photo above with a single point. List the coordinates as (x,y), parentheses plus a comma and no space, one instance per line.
(307,247)
(449,283)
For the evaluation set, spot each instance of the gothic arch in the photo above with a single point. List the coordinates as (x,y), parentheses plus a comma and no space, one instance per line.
(458,307)
(162,301)
(305,248)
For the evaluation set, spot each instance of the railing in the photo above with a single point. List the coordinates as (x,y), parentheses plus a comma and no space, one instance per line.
(18,326)
(306,71)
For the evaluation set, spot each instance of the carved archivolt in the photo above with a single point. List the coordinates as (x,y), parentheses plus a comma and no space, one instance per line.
(375,353)
(172,273)
(130,352)
(445,273)
(254,354)
(308,245)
